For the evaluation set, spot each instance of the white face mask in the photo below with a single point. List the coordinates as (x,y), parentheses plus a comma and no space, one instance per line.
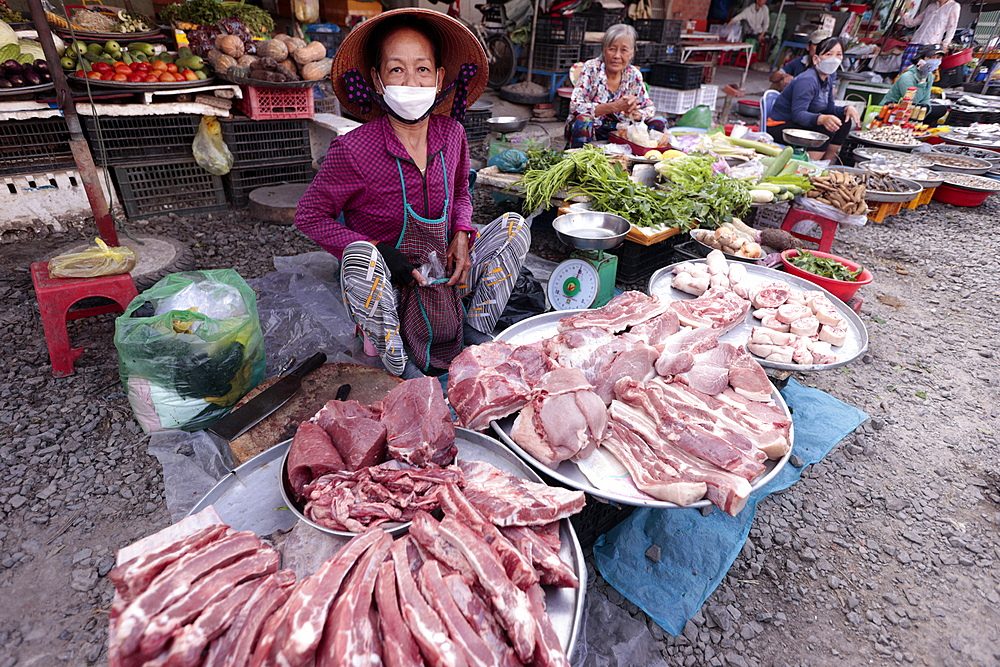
(410,103)
(829,66)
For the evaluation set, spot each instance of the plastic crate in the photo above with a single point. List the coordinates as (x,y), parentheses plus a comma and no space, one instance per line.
(651,53)
(964,118)
(331,40)
(668,100)
(601,19)
(948,78)
(676,75)
(166,187)
(259,143)
(239,183)
(277,103)
(708,94)
(128,139)
(35,145)
(649,30)
(324,99)
(597,517)
(475,121)
(637,262)
(672,31)
(560,29)
(589,51)
(556,58)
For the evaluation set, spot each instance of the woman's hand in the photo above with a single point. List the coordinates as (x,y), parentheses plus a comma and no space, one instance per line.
(830,122)
(852,114)
(458,259)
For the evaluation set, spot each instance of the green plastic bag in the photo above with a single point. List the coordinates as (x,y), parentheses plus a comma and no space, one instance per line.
(699,116)
(189,348)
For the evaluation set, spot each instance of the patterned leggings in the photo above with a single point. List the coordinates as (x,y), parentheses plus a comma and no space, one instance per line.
(496,257)
(585,129)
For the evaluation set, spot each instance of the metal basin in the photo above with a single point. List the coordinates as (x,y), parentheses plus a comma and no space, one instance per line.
(959,164)
(505,124)
(591,230)
(804,138)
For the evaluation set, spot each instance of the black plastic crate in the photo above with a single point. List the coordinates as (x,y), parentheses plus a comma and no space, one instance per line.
(599,20)
(560,29)
(636,262)
(128,139)
(667,53)
(259,143)
(562,107)
(671,31)
(556,58)
(676,75)
(156,188)
(649,30)
(589,51)
(34,145)
(475,125)
(597,517)
(959,117)
(331,40)
(239,183)
(951,77)
(648,54)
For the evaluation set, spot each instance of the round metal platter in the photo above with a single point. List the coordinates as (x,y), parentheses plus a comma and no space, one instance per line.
(911,194)
(249,498)
(105,36)
(989,143)
(857,334)
(141,87)
(257,83)
(937,179)
(965,165)
(884,144)
(569,473)
(915,159)
(25,90)
(987,183)
(704,247)
(978,153)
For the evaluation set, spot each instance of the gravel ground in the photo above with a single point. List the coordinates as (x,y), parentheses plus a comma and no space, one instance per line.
(885,553)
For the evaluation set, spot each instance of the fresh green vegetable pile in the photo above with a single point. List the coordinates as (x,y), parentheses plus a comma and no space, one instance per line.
(580,168)
(208,12)
(699,197)
(824,267)
(542,158)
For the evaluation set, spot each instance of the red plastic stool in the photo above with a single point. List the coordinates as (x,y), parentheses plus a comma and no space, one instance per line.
(56,296)
(828,226)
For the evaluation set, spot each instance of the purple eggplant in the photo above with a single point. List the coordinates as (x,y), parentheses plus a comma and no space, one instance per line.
(46,77)
(13,67)
(31,76)
(17,81)
(4,83)
(40,66)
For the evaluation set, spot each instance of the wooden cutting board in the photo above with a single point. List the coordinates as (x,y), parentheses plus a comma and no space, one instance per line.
(367,386)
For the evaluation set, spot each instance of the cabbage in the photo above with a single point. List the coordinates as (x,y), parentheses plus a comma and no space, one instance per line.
(7,35)
(34,49)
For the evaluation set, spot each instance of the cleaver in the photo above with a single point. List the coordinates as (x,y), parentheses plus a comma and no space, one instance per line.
(238,422)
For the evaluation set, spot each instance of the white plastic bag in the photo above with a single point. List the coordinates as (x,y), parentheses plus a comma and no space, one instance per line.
(819,208)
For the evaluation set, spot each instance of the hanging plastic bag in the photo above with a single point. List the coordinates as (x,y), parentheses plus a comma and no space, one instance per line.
(306,11)
(210,151)
(93,262)
(189,348)
(699,116)
(526,300)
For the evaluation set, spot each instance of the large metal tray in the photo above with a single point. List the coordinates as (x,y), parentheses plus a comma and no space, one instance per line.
(909,195)
(569,473)
(884,144)
(142,86)
(25,91)
(249,498)
(857,334)
(257,83)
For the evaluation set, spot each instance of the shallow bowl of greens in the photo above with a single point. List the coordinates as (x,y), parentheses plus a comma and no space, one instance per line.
(842,289)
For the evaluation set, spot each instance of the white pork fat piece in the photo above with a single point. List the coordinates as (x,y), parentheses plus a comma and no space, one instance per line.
(821,351)
(770,295)
(833,335)
(717,264)
(763,335)
(792,312)
(805,326)
(781,354)
(696,284)
(802,355)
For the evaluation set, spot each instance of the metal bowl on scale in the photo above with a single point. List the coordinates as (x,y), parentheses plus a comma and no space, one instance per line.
(506,124)
(804,138)
(590,230)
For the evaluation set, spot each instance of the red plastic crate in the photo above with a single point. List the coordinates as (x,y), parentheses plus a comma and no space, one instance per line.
(277,103)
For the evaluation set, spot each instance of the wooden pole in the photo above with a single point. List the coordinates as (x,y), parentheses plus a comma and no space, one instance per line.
(531,44)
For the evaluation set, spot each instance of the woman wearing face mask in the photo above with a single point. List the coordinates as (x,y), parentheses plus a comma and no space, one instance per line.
(919,75)
(609,91)
(400,181)
(807,103)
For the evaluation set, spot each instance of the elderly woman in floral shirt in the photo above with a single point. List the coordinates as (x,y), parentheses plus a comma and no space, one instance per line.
(609,91)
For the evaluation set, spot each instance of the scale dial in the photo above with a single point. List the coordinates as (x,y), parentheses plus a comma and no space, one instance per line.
(573,284)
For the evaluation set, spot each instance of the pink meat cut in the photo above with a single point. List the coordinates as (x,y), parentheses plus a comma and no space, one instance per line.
(418,425)
(655,331)
(355,432)
(637,362)
(507,500)
(576,348)
(493,380)
(398,647)
(476,651)
(565,419)
(625,310)
(237,645)
(710,373)
(311,455)
(677,354)
(548,649)
(717,308)
(482,620)
(552,570)
(748,379)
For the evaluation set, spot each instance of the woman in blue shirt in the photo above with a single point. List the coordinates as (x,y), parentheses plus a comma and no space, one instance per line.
(807,103)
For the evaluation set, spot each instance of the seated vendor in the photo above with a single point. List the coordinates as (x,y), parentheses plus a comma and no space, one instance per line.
(920,75)
(754,20)
(782,77)
(401,181)
(609,91)
(807,103)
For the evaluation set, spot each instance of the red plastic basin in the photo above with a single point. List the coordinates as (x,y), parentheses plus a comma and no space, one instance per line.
(949,194)
(956,59)
(842,289)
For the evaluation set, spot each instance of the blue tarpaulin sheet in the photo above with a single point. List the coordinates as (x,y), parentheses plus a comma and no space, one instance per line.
(696,550)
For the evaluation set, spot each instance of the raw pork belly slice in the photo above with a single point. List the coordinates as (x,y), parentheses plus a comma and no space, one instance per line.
(507,500)
(553,571)
(398,647)
(655,331)
(355,432)
(748,378)
(679,349)
(565,419)
(418,425)
(493,380)
(548,649)
(625,310)
(311,455)
(725,490)
(710,372)
(424,530)
(716,308)
(649,473)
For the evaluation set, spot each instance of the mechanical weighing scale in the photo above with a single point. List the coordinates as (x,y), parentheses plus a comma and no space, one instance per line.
(587,279)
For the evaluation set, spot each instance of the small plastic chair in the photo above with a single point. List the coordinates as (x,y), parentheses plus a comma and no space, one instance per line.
(766,102)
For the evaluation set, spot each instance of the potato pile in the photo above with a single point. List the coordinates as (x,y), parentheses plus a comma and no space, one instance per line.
(279,60)
(840,190)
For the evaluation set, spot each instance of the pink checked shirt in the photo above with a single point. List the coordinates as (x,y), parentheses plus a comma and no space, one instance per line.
(592,89)
(360,179)
(937,23)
